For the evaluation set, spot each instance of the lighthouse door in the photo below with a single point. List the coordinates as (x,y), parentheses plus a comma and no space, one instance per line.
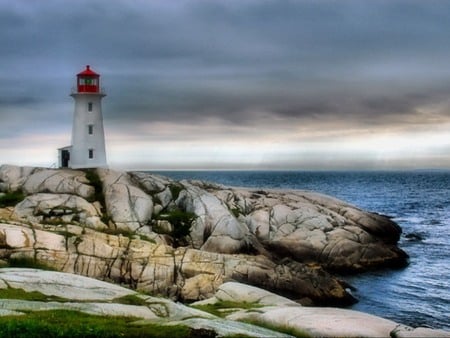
(65,157)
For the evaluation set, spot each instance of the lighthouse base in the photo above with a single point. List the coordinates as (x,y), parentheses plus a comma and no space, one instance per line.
(64,160)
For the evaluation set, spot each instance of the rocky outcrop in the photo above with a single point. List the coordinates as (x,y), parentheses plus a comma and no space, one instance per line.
(181,273)
(184,239)
(277,311)
(243,293)
(62,285)
(234,303)
(128,206)
(90,296)
(215,229)
(59,208)
(39,180)
(312,227)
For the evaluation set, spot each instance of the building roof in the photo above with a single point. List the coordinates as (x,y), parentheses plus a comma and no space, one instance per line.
(88,71)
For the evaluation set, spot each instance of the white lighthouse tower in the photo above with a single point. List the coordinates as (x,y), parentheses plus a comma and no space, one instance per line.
(88,138)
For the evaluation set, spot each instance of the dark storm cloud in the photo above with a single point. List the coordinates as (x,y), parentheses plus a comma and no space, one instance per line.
(365,62)
(297,60)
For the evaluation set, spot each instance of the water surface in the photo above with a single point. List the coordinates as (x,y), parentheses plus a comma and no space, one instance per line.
(418,295)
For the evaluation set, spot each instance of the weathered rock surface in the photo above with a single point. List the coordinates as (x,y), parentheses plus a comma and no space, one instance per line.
(215,229)
(13,177)
(312,227)
(99,298)
(159,269)
(320,322)
(95,297)
(129,207)
(34,180)
(402,331)
(62,285)
(278,240)
(243,293)
(63,208)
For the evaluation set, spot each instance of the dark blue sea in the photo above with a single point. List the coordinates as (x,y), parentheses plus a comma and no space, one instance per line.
(418,295)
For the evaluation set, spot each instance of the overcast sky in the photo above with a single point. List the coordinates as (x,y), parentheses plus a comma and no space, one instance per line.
(254,84)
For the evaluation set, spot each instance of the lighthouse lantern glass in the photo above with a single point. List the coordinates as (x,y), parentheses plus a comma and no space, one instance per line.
(88,84)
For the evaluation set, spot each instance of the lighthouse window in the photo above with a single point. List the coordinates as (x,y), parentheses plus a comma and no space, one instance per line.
(91,153)
(90,106)
(90,129)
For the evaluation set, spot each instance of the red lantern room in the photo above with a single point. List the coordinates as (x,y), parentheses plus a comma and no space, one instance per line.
(88,81)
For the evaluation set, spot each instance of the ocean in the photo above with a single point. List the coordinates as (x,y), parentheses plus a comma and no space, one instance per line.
(419,201)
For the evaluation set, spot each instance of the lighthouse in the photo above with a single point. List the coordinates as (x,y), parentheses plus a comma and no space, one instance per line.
(88,138)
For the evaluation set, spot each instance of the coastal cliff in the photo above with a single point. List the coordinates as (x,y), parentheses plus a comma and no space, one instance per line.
(190,241)
(184,239)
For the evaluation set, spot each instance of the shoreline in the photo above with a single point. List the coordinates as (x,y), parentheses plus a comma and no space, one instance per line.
(202,191)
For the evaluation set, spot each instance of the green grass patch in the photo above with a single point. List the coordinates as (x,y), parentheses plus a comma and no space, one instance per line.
(96,182)
(62,323)
(181,222)
(147,239)
(10,199)
(175,190)
(223,308)
(130,300)
(21,294)
(28,262)
(116,232)
(235,211)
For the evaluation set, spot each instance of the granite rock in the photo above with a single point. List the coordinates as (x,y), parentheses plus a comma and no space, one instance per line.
(62,208)
(129,207)
(271,309)
(182,273)
(281,240)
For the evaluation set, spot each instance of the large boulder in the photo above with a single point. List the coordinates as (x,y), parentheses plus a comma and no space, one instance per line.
(59,208)
(12,177)
(129,207)
(323,322)
(247,294)
(311,227)
(58,182)
(215,229)
(39,180)
(52,283)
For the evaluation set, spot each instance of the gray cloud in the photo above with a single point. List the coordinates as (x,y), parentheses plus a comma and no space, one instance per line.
(322,63)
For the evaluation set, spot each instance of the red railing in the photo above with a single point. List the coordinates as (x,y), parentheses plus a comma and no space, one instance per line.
(86,89)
